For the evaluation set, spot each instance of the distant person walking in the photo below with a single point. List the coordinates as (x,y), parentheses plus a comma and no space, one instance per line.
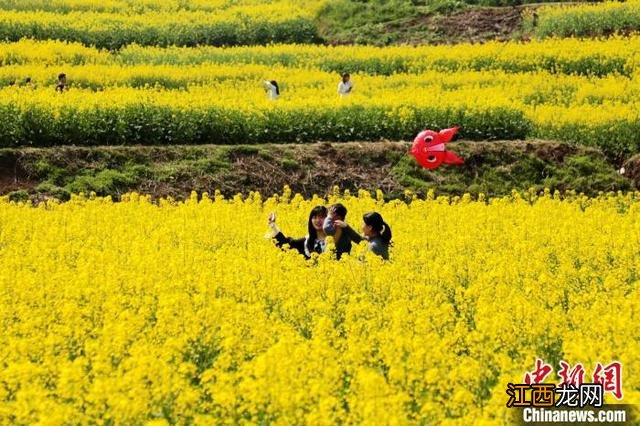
(62,82)
(346,85)
(273,91)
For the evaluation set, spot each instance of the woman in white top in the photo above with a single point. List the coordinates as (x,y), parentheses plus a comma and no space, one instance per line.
(272,89)
(345,86)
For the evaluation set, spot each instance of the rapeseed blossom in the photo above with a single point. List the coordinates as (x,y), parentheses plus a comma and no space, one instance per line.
(181,312)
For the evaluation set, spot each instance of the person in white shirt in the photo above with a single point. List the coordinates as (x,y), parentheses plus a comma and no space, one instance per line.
(345,86)
(272,89)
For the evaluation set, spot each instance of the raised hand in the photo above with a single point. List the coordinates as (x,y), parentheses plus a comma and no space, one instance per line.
(340,223)
(272,223)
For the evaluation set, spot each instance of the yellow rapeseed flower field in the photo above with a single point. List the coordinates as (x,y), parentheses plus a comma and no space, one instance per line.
(570,55)
(301,7)
(116,24)
(584,19)
(216,95)
(186,312)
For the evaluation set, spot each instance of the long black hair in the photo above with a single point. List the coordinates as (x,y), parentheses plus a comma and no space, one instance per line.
(374,220)
(275,83)
(313,234)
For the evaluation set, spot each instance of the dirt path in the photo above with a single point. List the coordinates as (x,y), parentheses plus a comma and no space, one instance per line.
(472,25)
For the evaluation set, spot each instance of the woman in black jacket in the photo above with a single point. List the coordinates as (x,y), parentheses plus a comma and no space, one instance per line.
(314,241)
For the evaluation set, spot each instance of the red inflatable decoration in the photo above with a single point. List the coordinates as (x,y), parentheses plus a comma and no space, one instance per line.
(428,148)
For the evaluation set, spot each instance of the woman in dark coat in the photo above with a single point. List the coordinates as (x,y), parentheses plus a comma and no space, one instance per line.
(313,242)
